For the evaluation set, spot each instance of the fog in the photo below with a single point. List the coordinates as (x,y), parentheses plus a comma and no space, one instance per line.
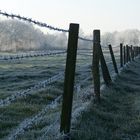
(129,37)
(22,36)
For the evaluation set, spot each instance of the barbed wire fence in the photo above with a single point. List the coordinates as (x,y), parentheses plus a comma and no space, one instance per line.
(42,84)
(78,87)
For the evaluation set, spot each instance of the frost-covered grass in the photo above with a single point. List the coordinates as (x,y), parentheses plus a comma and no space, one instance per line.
(31,117)
(24,113)
(118,115)
(19,75)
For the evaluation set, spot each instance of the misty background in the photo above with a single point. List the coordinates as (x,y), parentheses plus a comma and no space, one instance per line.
(22,36)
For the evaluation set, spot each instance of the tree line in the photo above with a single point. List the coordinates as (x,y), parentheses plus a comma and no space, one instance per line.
(22,36)
(130,37)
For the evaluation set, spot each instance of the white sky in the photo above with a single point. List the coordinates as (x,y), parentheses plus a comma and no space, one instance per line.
(106,15)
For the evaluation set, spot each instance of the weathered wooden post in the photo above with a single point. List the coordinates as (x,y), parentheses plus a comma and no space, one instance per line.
(124,55)
(134,52)
(95,64)
(69,79)
(137,51)
(105,71)
(121,55)
(131,50)
(113,59)
(127,53)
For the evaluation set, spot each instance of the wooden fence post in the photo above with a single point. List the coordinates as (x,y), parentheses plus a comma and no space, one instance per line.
(113,59)
(132,54)
(127,53)
(133,48)
(121,55)
(105,71)
(69,79)
(137,51)
(124,55)
(95,64)
(134,51)
(129,58)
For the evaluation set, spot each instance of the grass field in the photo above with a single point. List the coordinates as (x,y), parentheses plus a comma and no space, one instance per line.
(118,115)
(19,75)
(30,117)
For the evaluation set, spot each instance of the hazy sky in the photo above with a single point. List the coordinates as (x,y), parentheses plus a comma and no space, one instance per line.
(107,15)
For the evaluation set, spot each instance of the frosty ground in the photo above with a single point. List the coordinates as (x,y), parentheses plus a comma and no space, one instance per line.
(31,117)
(118,115)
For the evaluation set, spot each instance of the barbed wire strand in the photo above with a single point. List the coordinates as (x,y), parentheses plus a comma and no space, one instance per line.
(85,39)
(29,122)
(41,24)
(43,84)
(30,20)
(30,55)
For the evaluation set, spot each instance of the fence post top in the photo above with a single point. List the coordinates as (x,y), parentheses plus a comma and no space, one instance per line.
(74,24)
(96,35)
(97,30)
